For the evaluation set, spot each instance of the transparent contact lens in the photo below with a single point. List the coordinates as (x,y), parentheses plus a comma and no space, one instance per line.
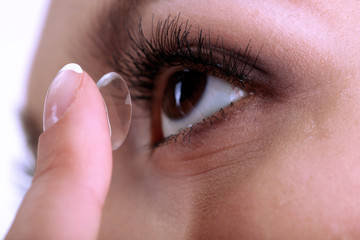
(119,108)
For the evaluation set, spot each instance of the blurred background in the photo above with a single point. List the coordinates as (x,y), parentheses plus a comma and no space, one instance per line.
(21,22)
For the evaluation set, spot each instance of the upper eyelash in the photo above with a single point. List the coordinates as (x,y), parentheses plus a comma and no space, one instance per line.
(171,44)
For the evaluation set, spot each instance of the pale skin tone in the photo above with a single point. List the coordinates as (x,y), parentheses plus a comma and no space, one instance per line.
(281,167)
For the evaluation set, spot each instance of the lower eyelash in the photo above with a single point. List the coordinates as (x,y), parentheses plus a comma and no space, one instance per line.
(195,129)
(208,123)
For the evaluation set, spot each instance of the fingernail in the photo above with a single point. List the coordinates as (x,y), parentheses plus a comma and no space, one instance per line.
(61,94)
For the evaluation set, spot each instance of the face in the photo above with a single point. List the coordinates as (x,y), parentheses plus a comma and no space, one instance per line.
(245,122)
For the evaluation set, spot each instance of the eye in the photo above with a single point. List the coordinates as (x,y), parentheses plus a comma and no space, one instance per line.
(190,96)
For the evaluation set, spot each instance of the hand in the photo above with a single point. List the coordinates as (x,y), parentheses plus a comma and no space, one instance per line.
(74,164)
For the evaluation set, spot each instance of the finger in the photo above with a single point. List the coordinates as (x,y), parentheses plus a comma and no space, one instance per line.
(74,163)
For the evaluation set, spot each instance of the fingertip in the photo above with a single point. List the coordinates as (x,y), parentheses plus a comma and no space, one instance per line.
(80,127)
(61,93)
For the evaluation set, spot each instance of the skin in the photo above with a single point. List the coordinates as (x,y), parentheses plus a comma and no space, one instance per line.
(282,166)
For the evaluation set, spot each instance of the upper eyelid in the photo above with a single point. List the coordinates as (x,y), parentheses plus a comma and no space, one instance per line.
(170,38)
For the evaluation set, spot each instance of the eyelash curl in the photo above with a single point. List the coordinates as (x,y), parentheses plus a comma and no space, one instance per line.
(171,44)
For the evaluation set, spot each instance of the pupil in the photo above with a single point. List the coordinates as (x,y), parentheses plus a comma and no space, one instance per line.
(182,93)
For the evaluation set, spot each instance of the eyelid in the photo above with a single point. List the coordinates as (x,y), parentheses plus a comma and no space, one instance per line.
(196,131)
(173,44)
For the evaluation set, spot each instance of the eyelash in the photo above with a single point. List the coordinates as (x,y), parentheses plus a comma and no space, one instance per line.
(171,45)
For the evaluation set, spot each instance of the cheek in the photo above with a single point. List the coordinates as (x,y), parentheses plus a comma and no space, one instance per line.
(312,197)
(307,187)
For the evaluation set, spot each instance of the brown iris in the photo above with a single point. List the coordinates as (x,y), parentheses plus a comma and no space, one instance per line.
(183,92)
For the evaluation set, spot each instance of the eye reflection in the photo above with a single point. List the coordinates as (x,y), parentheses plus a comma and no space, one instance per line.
(190,96)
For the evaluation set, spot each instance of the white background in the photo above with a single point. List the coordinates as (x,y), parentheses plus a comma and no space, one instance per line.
(21,23)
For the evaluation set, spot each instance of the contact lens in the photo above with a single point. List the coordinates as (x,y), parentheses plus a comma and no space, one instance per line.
(117,99)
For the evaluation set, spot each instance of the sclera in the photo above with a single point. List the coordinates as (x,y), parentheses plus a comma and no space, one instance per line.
(117,99)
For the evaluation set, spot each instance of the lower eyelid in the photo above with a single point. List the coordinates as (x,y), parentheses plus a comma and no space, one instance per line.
(188,136)
(200,151)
